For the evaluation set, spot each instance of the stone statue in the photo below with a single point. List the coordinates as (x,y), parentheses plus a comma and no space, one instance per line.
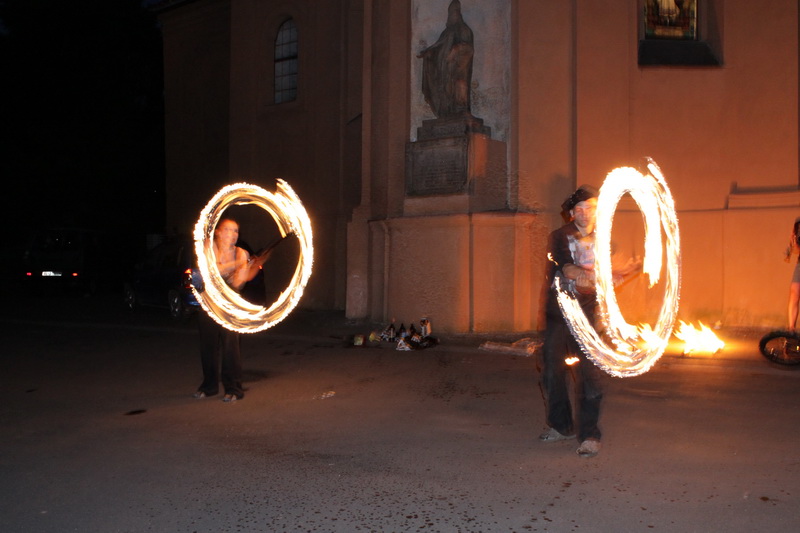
(447,67)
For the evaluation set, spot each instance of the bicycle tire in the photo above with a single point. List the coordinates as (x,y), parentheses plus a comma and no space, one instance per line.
(781,347)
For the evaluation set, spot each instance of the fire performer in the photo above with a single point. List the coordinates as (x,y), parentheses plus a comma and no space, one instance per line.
(236,268)
(571,251)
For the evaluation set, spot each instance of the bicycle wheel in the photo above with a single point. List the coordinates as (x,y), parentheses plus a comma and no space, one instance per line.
(782,347)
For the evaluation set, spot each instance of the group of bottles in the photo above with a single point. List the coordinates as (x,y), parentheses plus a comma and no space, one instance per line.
(393,334)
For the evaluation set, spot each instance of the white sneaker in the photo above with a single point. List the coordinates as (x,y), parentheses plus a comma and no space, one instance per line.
(552,435)
(589,448)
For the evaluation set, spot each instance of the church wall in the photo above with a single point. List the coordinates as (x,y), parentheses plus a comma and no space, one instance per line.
(709,128)
(717,132)
(736,124)
(385,132)
(313,142)
(196,54)
(223,127)
(543,146)
(462,258)
(562,89)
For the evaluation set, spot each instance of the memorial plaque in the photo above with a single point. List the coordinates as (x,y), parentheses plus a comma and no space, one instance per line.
(437,166)
(440,128)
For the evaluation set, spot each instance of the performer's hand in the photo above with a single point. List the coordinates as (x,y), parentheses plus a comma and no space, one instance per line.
(258,260)
(585,281)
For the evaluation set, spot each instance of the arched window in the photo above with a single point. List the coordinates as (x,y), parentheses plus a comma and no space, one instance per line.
(286,62)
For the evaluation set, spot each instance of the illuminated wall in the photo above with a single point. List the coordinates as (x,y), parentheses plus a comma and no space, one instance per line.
(585,93)
(725,136)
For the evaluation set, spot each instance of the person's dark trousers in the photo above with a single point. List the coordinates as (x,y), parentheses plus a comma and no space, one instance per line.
(558,345)
(220,357)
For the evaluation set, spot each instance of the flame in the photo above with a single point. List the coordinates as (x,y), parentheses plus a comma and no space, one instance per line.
(571,360)
(698,339)
(222,303)
(624,349)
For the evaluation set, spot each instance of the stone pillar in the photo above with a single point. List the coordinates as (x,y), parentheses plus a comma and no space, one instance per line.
(458,254)
(467,272)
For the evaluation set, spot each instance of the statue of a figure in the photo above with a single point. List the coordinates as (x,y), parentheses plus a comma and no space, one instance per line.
(447,67)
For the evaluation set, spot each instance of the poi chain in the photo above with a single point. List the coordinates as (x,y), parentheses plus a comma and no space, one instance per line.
(218,300)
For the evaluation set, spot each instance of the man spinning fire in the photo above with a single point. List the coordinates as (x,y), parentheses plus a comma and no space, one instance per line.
(571,250)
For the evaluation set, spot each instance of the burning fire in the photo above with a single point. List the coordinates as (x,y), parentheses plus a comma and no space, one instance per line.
(698,339)
(222,303)
(625,349)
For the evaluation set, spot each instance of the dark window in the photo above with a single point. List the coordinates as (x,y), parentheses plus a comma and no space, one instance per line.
(286,63)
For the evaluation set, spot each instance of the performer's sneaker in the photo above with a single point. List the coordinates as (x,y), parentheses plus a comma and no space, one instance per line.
(589,448)
(199,395)
(552,435)
(230,398)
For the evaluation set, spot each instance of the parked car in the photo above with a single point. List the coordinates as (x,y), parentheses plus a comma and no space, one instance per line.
(163,279)
(73,258)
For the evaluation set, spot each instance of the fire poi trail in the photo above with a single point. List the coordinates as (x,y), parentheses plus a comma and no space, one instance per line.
(222,303)
(624,349)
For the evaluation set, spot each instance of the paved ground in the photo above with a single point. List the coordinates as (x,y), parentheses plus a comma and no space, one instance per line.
(100,434)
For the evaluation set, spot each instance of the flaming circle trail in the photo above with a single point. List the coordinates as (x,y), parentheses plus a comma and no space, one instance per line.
(222,303)
(624,349)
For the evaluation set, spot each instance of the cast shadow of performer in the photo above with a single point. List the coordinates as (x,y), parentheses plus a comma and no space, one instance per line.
(447,67)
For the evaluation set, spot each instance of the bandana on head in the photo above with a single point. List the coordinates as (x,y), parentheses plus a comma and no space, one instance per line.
(583,193)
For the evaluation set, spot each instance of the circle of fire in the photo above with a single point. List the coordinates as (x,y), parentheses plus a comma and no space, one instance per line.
(221,302)
(624,349)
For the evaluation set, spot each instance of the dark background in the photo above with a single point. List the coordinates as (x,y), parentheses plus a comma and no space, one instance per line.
(81,118)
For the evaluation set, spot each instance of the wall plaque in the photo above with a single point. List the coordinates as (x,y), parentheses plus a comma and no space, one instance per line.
(437,166)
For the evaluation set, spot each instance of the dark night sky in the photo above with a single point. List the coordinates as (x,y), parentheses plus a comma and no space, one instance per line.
(81,115)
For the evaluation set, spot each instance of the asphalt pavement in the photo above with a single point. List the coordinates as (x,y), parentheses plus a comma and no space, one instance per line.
(101,434)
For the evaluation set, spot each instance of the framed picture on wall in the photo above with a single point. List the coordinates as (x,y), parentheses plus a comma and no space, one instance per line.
(670,19)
